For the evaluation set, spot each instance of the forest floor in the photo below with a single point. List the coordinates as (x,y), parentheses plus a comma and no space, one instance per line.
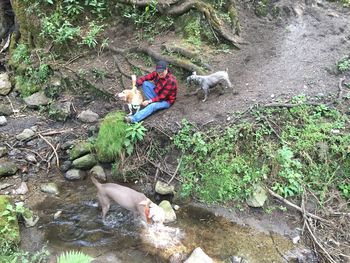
(281,58)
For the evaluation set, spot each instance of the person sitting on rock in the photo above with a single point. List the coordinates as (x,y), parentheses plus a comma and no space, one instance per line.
(159,88)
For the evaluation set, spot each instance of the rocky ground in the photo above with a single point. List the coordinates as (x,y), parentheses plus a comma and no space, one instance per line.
(295,54)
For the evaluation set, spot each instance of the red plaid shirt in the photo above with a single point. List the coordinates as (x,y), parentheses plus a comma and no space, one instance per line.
(166,88)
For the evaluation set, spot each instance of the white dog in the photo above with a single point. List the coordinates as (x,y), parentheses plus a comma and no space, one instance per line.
(209,81)
(133,97)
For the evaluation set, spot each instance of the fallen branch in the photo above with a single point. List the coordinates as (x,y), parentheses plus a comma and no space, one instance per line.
(53,148)
(176,170)
(297,207)
(308,227)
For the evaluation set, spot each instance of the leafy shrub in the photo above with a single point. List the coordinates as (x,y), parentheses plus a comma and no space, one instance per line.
(111,137)
(134,133)
(74,256)
(58,28)
(286,149)
(344,64)
(90,39)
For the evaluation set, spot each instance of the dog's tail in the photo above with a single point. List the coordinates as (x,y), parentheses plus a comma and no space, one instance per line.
(94,180)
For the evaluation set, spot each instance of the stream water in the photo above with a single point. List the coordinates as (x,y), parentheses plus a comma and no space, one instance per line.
(122,238)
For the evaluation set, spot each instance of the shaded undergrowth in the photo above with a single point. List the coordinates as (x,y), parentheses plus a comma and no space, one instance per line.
(285,148)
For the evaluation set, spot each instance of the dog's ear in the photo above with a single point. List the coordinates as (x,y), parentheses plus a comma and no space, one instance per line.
(146,202)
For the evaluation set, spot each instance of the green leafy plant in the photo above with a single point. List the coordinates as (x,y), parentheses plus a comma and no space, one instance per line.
(74,256)
(134,134)
(21,54)
(58,29)
(344,64)
(345,190)
(289,172)
(90,39)
(99,74)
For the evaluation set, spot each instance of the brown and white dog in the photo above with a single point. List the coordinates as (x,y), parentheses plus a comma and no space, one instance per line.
(129,199)
(133,97)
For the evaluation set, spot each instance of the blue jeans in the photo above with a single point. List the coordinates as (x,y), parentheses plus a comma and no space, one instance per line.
(148,91)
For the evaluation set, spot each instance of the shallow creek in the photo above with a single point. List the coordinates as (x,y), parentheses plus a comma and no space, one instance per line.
(124,239)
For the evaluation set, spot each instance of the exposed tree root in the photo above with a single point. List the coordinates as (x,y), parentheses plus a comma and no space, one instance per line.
(177,8)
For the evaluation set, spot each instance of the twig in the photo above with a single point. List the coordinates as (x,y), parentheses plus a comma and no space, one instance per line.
(57,159)
(13,109)
(176,170)
(340,94)
(297,207)
(318,243)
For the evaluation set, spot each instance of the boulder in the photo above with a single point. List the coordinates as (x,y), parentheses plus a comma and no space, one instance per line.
(164,188)
(60,111)
(74,174)
(5,109)
(5,84)
(198,256)
(8,168)
(258,197)
(50,188)
(85,162)
(88,116)
(25,134)
(80,149)
(36,100)
(170,215)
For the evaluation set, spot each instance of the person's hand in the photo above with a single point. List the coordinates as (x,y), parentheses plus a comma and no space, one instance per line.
(146,102)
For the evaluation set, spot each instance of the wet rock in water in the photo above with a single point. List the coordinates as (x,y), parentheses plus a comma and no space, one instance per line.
(5,84)
(99,173)
(65,166)
(164,188)
(50,188)
(170,215)
(3,121)
(79,150)
(257,198)
(25,134)
(198,256)
(4,186)
(88,116)
(8,168)
(85,162)
(60,111)
(5,110)
(3,151)
(74,174)
(36,100)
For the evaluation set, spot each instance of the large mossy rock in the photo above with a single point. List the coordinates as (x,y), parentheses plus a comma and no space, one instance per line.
(80,149)
(8,168)
(8,223)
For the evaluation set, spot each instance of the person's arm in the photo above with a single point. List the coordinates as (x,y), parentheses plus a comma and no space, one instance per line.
(150,76)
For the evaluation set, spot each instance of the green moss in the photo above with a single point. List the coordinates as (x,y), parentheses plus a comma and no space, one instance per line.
(9,228)
(111,137)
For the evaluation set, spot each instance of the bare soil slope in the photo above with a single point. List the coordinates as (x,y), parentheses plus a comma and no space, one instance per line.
(294,54)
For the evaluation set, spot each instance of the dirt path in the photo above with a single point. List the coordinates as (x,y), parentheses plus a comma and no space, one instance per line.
(283,58)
